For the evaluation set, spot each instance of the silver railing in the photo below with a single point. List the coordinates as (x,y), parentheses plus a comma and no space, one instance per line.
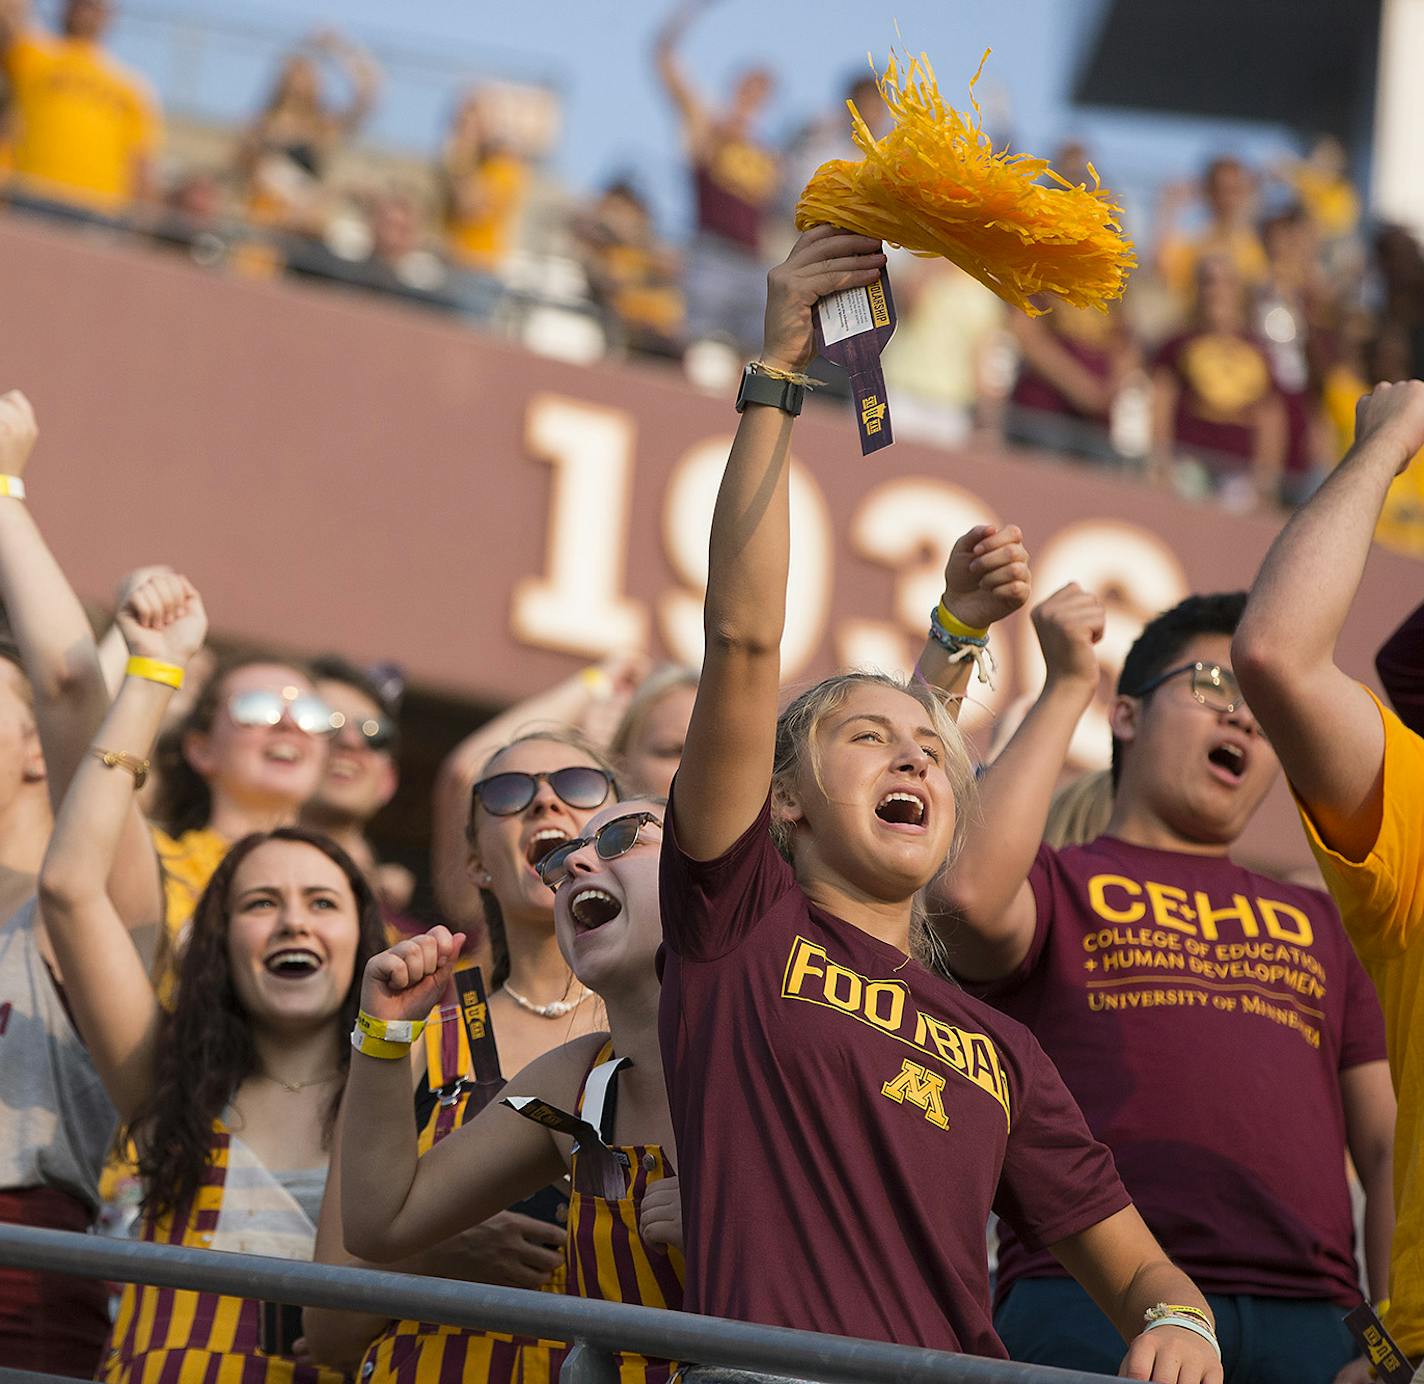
(595,1329)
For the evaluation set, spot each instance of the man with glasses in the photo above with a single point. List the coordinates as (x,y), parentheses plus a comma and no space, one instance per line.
(1212,1022)
(1355,767)
(361,775)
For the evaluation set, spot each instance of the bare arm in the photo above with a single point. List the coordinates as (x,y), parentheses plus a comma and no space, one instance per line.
(393,1202)
(14,20)
(1125,1272)
(62,663)
(1268,452)
(105,979)
(679,89)
(726,762)
(1368,1095)
(363,73)
(1322,724)
(985,910)
(985,580)
(1042,350)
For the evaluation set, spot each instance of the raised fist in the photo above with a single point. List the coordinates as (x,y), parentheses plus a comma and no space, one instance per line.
(18,431)
(163,618)
(1068,624)
(406,981)
(987,576)
(1394,414)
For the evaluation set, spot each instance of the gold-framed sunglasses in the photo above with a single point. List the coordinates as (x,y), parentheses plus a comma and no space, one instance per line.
(1213,684)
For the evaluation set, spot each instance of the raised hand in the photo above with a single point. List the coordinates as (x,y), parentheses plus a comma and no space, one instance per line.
(987,575)
(18,431)
(822,261)
(1171,1355)
(660,1216)
(1394,415)
(163,618)
(406,981)
(1068,624)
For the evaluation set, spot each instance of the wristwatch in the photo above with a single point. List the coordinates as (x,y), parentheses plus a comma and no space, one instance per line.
(766,389)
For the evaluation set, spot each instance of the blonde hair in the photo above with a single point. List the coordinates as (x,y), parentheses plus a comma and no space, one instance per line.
(796,750)
(668,678)
(1080,811)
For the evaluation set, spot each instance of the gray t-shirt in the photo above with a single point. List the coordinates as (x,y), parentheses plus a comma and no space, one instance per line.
(56,1122)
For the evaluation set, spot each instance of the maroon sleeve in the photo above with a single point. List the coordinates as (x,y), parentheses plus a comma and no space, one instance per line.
(1170,353)
(1400,665)
(1057,1179)
(709,906)
(1362,1036)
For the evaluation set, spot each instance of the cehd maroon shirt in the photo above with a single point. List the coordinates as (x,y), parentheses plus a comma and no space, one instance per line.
(846,1119)
(1202,1015)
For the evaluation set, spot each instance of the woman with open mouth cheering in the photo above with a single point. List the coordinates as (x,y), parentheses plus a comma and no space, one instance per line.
(827,1090)
(230,1097)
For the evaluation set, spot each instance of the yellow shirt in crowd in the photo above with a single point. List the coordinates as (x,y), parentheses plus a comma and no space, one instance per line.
(80,122)
(188,863)
(1381,899)
(499,184)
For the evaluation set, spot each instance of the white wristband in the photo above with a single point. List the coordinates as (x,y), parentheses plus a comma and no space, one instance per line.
(12,486)
(1187,1324)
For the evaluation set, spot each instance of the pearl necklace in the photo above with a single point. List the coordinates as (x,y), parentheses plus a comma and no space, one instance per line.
(556,1009)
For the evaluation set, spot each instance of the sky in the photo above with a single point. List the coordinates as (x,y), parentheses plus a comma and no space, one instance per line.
(218,56)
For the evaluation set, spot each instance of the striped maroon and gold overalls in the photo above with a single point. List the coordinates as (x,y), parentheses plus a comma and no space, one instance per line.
(177,1336)
(410,1352)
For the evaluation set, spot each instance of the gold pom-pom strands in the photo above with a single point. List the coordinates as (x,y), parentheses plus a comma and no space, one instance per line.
(936,186)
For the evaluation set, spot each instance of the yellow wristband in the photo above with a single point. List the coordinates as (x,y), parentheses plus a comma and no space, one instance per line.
(953,625)
(1172,1309)
(154,670)
(378,1047)
(1382,1307)
(597,682)
(390,1030)
(12,486)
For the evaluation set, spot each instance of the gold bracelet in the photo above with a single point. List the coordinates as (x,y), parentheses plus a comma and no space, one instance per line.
(121,759)
(775,372)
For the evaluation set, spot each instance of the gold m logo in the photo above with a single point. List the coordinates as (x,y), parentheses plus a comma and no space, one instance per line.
(920,1087)
(872,413)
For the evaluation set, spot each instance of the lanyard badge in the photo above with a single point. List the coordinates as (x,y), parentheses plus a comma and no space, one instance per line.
(851,328)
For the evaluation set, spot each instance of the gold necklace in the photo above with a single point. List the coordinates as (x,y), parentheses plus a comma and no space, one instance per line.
(295,1086)
(555,1009)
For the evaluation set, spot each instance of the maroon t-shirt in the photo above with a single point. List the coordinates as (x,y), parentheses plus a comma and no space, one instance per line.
(1221,377)
(1202,1015)
(846,1119)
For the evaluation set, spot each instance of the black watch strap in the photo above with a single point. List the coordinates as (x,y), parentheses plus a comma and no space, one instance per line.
(766,389)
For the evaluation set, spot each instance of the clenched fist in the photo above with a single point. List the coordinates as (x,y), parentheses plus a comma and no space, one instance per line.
(163,618)
(1068,624)
(987,575)
(1394,415)
(406,981)
(18,431)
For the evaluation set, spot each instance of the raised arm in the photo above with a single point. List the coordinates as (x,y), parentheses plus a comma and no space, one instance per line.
(674,79)
(362,72)
(393,1202)
(986,579)
(62,663)
(1321,722)
(984,906)
(105,980)
(726,763)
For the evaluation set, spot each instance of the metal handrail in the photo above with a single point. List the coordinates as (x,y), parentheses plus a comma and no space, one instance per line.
(603,1326)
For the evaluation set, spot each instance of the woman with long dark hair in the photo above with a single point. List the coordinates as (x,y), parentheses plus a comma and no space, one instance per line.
(230,1097)
(827,1088)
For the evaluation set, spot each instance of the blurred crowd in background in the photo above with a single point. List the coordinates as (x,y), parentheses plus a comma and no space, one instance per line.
(1263,303)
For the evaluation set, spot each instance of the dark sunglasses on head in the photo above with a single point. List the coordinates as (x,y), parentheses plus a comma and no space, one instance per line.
(263,708)
(376,732)
(611,840)
(1213,685)
(502,795)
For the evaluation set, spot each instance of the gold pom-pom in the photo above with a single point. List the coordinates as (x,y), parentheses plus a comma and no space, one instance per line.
(935,185)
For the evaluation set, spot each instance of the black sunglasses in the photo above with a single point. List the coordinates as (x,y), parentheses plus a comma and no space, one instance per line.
(611,840)
(502,795)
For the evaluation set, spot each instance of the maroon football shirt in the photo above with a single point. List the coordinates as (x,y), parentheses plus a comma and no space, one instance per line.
(1202,1015)
(846,1119)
